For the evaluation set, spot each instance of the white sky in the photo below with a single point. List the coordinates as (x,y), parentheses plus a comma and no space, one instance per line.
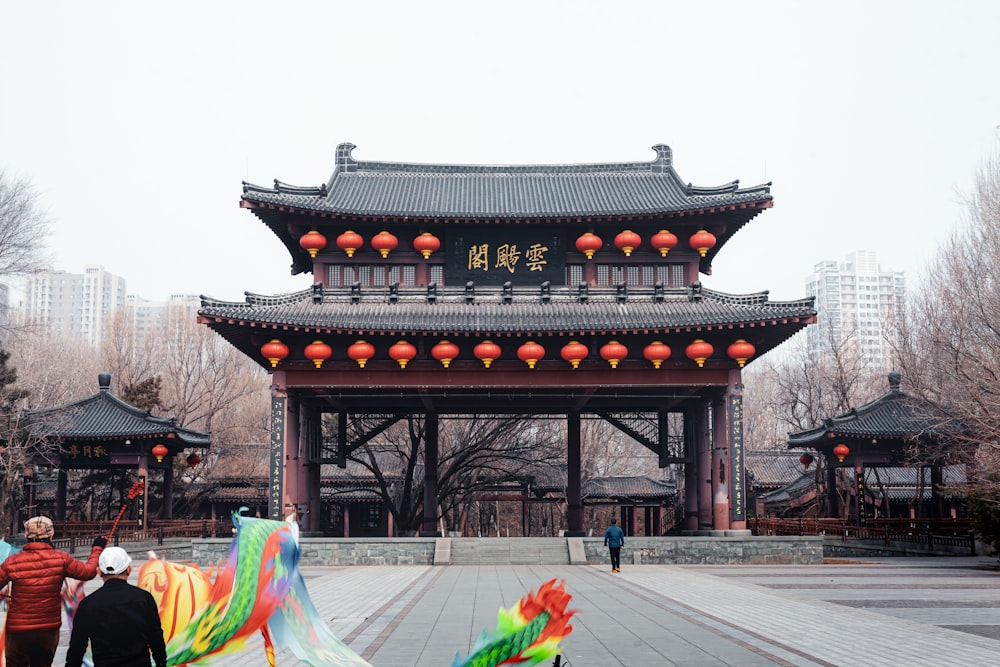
(137,122)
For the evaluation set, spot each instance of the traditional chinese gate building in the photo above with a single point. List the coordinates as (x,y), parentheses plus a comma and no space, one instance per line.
(566,290)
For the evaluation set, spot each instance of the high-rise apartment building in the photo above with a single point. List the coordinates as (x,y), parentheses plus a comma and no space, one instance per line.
(146,316)
(77,305)
(858,304)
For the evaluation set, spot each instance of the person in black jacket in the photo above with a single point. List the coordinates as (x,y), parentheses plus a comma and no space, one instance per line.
(119,620)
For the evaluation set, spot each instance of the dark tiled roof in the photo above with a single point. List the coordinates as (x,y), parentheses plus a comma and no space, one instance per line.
(453,312)
(104,415)
(773,469)
(899,483)
(627,488)
(892,415)
(522,191)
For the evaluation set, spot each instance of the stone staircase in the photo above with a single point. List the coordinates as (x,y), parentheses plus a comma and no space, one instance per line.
(509,551)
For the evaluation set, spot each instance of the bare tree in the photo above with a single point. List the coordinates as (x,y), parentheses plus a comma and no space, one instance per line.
(22,224)
(950,343)
(474,453)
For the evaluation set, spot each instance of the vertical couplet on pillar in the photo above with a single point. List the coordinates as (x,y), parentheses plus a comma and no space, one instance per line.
(276,458)
(140,500)
(737,464)
(574,504)
(430,528)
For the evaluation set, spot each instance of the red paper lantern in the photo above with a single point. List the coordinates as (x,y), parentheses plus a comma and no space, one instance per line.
(384,242)
(530,353)
(702,241)
(663,241)
(656,352)
(699,351)
(588,244)
(159,451)
(741,351)
(349,242)
(402,352)
(627,241)
(426,244)
(574,352)
(613,352)
(487,352)
(193,460)
(806,459)
(444,352)
(274,351)
(840,451)
(312,241)
(318,352)
(361,352)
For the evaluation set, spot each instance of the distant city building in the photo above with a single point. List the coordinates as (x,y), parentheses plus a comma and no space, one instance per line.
(147,316)
(857,303)
(77,305)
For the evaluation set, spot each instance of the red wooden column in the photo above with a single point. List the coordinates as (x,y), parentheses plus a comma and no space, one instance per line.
(61,484)
(704,458)
(430,524)
(167,511)
(310,437)
(690,471)
(574,503)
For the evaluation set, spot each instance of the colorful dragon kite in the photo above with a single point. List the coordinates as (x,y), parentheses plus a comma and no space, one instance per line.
(260,589)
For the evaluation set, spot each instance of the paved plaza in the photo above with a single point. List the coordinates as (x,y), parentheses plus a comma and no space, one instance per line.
(893,612)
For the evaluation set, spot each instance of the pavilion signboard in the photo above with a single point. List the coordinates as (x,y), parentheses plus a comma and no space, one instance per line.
(493,257)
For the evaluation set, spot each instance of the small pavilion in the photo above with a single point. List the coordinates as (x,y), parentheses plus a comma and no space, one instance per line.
(102,431)
(879,434)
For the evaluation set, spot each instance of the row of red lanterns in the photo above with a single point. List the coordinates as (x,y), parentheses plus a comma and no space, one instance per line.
(487,351)
(426,244)
(663,240)
(384,242)
(160,451)
(840,451)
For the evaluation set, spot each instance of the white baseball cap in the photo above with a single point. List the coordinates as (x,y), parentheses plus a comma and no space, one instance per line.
(113,560)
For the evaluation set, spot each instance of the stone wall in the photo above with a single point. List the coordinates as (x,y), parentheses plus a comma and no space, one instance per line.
(772,550)
(804,550)
(337,551)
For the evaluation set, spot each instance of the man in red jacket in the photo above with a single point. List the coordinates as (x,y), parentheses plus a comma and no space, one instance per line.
(36,575)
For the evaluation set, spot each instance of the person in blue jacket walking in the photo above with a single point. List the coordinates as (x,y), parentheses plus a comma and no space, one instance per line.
(614,540)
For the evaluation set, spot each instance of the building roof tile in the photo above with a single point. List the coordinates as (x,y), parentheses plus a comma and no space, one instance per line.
(512,191)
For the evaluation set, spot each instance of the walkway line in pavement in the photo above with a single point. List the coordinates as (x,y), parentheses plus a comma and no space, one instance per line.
(809,626)
(368,637)
(783,655)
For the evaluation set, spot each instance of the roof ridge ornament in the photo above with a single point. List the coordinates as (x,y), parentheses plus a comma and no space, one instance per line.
(344,160)
(664,158)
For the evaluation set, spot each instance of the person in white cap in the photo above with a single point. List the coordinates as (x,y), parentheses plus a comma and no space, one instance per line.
(119,620)
(36,575)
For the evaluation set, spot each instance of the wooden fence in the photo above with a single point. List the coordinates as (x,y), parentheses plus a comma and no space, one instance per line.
(930,533)
(73,534)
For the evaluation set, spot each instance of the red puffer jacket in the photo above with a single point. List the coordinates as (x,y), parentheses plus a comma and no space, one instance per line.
(37,573)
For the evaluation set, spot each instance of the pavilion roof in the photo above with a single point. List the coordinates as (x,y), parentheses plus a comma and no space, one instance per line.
(467,192)
(894,415)
(105,416)
(627,488)
(486,311)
